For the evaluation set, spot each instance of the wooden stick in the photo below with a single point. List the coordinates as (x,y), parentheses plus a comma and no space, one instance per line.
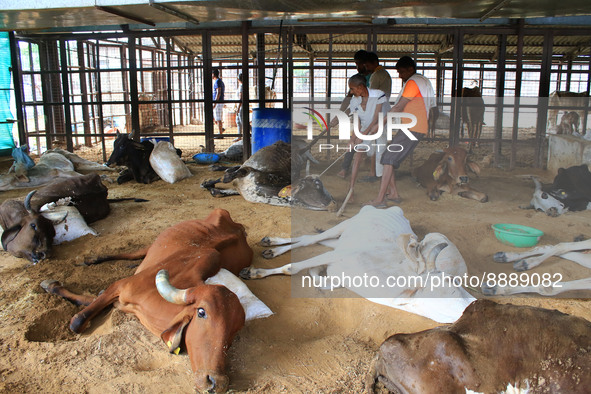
(342,208)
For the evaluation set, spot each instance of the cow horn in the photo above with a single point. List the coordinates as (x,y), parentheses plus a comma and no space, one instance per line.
(28,201)
(168,291)
(435,252)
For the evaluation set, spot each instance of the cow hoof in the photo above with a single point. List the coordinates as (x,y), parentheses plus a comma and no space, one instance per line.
(209,184)
(268,253)
(245,273)
(49,285)
(489,290)
(520,265)
(77,324)
(266,241)
(500,257)
(216,192)
(552,212)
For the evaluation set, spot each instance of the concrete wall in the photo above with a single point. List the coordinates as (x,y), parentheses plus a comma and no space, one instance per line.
(567,151)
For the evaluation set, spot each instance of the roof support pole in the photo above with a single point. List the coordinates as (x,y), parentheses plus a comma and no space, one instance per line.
(261,68)
(133,91)
(169,93)
(245,108)
(502,51)
(84,92)
(207,91)
(17,82)
(543,94)
(284,37)
(290,69)
(66,94)
(457,82)
(516,106)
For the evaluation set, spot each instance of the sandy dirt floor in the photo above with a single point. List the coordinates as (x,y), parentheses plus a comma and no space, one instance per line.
(321,345)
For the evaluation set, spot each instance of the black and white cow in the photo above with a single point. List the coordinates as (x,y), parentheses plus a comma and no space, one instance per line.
(570,191)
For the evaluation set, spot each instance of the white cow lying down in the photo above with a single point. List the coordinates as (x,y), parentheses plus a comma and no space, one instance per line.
(579,252)
(381,243)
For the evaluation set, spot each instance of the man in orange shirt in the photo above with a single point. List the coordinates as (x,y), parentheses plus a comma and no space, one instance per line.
(416,98)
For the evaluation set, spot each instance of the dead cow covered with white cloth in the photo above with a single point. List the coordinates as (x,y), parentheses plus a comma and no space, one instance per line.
(381,243)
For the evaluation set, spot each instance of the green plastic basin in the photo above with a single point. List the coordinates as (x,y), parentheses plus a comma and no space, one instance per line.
(517,235)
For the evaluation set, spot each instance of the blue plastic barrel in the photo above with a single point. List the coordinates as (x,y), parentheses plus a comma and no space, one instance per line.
(270,125)
(158,139)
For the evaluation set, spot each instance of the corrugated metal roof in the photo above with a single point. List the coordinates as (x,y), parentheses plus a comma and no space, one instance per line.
(48,14)
(391,45)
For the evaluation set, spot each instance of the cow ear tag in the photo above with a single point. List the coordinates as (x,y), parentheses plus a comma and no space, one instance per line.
(175,351)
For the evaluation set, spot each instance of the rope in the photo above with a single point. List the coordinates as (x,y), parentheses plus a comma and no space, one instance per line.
(333,163)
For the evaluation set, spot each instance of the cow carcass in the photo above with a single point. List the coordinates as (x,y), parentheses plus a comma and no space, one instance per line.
(550,284)
(135,156)
(266,173)
(380,243)
(170,296)
(490,348)
(569,101)
(447,171)
(570,191)
(473,113)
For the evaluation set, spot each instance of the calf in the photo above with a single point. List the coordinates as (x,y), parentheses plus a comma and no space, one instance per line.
(134,155)
(26,234)
(447,172)
(489,348)
(570,191)
(569,124)
(202,318)
(380,245)
(572,187)
(542,201)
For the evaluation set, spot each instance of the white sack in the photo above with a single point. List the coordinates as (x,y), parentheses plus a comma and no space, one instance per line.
(72,227)
(253,307)
(167,164)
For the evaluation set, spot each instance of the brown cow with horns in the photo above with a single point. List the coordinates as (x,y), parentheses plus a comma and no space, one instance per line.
(447,171)
(202,319)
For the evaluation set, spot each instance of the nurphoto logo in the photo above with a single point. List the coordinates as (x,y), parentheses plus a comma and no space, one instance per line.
(394,121)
